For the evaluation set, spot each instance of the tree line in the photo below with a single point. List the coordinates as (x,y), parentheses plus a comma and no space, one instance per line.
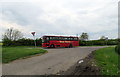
(98,42)
(13,37)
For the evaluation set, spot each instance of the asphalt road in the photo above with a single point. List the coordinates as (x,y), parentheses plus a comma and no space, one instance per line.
(56,60)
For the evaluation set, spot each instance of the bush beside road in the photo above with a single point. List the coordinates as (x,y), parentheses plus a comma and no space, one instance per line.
(117,49)
(107,60)
(12,53)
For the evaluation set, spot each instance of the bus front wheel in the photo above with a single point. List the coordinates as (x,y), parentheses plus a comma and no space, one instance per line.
(52,46)
(70,46)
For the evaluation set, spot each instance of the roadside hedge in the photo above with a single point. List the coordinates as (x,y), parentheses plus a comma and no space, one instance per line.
(22,42)
(117,49)
(30,42)
(98,42)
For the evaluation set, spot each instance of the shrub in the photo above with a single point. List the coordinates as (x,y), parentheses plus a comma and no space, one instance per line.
(82,43)
(117,49)
(7,43)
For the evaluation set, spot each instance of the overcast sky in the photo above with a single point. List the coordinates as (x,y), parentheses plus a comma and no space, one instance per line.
(61,17)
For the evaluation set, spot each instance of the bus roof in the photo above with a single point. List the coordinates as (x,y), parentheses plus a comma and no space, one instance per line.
(58,36)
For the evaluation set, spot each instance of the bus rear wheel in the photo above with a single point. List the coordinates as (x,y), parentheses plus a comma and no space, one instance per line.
(52,46)
(70,46)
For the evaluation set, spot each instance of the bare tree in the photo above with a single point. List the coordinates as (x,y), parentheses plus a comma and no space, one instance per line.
(12,34)
(84,36)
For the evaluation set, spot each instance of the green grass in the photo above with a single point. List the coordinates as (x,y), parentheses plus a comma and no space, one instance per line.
(107,60)
(12,53)
(97,45)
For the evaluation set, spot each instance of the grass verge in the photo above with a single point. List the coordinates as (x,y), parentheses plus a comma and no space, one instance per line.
(98,46)
(107,60)
(12,53)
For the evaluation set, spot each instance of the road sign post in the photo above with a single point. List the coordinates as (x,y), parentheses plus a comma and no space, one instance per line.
(33,33)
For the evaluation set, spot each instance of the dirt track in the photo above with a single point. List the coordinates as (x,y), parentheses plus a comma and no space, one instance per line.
(86,66)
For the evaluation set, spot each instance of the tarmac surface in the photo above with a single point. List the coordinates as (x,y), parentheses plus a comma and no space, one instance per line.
(56,60)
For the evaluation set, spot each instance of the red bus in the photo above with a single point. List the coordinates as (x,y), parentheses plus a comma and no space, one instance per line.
(59,41)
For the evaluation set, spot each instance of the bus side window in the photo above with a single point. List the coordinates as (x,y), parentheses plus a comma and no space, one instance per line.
(56,38)
(51,38)
(60,38)
(69,38)
(75,39)
(72,39)
(47,38)
(65,38)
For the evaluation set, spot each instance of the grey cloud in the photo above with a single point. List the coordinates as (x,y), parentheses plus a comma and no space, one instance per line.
(64,16)
(21,13)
